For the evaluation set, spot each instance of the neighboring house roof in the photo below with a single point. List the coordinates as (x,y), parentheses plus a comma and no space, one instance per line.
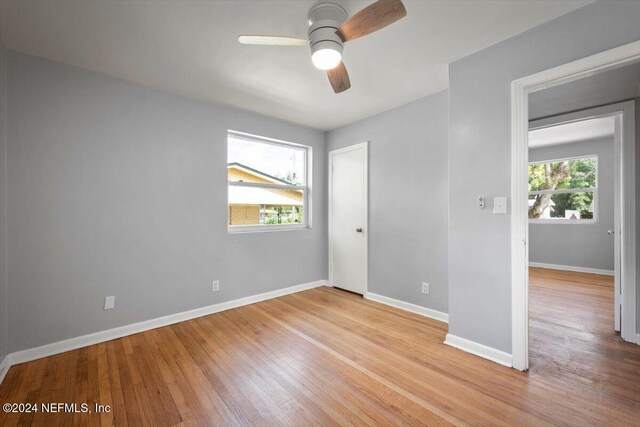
(241,195)
(258,173)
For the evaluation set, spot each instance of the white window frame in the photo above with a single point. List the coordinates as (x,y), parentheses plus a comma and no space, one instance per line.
(593,190)
(306,188)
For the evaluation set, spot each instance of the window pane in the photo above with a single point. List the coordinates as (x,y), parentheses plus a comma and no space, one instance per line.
(562,175)
(255,161)
(562,206)
(265,206)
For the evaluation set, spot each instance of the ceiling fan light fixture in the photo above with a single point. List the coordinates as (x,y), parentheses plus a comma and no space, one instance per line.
(326,58)
(326,46)
(329,28)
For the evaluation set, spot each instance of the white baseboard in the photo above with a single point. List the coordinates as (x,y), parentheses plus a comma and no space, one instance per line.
(481,350)
(572,268)
(407,306)
(638,339)
(4,367)
(122,331)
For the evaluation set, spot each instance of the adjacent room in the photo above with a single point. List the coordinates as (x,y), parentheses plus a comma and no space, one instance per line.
(577,254)
(356,212)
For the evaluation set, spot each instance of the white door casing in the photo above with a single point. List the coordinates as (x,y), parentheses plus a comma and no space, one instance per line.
(348,226)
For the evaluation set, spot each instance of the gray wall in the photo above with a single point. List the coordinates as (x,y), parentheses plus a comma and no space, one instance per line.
(579,245)
(480,157)
(4,301)
(117,189)
(407,198)
(616,85)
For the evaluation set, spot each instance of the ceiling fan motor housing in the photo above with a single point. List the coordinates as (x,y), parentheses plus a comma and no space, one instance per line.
(324,20)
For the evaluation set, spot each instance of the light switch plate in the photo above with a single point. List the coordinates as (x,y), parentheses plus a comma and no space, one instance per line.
(499,205)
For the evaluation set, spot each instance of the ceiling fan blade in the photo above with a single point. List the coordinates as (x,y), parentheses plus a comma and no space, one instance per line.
(372,18)
(339,78)
(266,40)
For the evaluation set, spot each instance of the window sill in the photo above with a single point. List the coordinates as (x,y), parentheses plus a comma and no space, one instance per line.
(564,221)
(244,229)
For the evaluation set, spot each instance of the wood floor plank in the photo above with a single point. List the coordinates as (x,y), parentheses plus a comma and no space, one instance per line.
(429,379)
(379,361)
(193,380)
(269,377)
(329,357)
(312,367)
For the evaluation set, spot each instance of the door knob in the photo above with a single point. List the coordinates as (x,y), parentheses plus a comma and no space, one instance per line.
(359,230)
(610,232)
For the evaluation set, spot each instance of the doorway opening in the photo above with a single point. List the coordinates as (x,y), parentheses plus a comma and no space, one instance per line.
(560,78)
(574,224)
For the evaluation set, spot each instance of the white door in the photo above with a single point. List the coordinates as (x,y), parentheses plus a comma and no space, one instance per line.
(348,218)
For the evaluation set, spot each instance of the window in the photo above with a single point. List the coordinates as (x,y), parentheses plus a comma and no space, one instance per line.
(268,183)
(563,191)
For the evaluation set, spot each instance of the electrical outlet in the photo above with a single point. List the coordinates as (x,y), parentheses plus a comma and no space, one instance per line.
(215,286)
(109,303)
(425,288)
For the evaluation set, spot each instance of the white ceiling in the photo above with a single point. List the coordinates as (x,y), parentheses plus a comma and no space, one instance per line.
(572,132)
(190,47)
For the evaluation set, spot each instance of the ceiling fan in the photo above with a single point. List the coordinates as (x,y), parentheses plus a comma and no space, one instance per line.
(329,29)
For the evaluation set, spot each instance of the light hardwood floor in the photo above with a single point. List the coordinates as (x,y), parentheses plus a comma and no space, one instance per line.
(328,357)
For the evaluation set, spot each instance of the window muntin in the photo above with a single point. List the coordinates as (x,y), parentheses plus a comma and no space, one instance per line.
(267,184)
(563,190)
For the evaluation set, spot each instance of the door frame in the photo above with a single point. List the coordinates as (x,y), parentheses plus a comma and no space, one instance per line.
(520,90)
(365,147)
